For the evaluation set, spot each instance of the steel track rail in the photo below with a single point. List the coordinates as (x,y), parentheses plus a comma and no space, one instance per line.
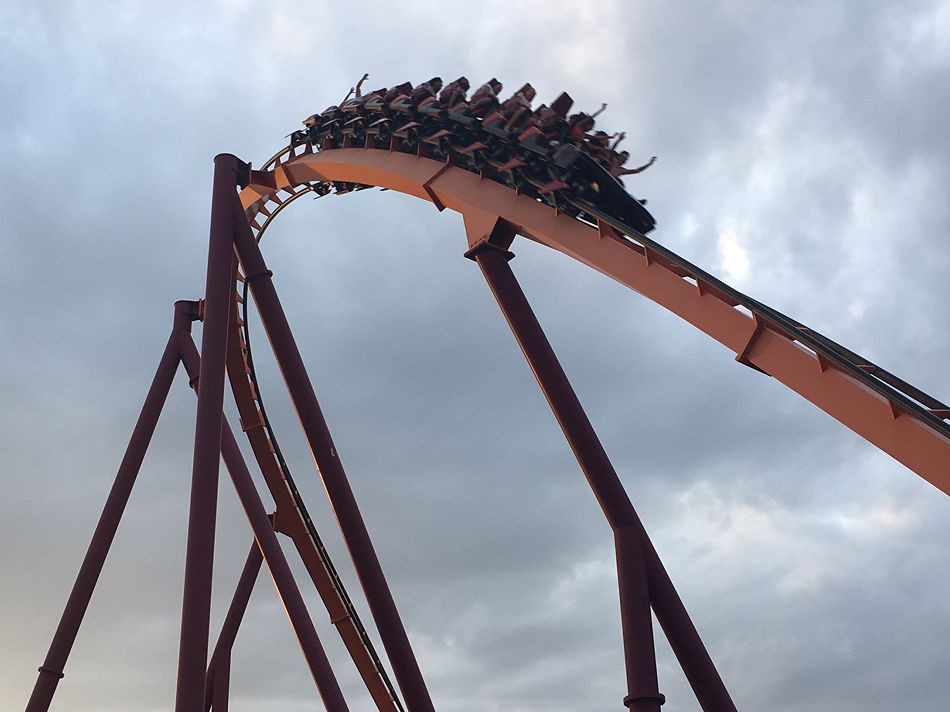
(903,397)
(911,400)
(908,398)
(292,515)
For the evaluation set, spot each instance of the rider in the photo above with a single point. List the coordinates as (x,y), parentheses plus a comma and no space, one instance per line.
(598,146)
(576,129)
(518,107)
(578,126)
(485,98)
(355,90)
(454,93)
(617,170)
(425,90)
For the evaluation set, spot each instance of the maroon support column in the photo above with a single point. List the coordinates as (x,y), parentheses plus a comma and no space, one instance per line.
(222,683)
(378,595)
(280,571)
(229,629)
(643,693)
(196,601)
(52,669)
(606,485)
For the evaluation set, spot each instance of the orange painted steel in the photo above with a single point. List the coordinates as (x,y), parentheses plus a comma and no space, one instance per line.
(290,520)
(756,341)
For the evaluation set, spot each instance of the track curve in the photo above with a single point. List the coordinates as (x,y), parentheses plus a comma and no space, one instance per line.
(497,203)
(894,416)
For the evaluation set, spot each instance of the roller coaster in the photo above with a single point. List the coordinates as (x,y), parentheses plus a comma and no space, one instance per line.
(507,181)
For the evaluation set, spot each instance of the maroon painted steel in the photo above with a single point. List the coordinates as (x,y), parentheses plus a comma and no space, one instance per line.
(643,691)
(370,572)
(199,561)
(232,622)
(51,672)
(273,555)
(222,683)
(293,519)
(606,485)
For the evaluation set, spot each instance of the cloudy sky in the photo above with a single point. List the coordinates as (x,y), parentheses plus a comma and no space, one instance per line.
(803,157)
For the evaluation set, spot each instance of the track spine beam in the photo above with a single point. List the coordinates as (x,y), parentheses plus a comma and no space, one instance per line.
(894,416)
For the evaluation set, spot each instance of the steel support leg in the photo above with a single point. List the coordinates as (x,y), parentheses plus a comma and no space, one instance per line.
(273,555)
(52,669)
(222,682)
(366,563)
(283,577)
(636,622)
(606,485)
(232,621)
(196,599)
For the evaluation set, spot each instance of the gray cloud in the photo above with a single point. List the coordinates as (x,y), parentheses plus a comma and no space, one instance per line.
(803,158)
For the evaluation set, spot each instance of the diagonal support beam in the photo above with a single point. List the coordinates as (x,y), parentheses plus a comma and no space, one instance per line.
(337,486)
(51,672)
(266,538)
(492,259)
(216,681)
(293,519)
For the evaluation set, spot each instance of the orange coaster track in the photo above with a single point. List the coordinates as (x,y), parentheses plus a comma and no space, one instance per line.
(503,187)
(893,415)
(896,417)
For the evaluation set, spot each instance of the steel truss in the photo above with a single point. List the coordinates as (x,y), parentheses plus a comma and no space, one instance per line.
(897,418)
(204,685)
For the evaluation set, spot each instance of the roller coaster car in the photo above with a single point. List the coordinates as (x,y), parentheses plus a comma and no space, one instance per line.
(439,138)
(402,105)
(331,112)
(316,123)
(497,125)
(462,114)
(532,139)
(564,169)
(354,126)
(363,105)
(593,183)
(409,130)
(380,125)
(431,107)
(400,90)
(325,128)
(373,105)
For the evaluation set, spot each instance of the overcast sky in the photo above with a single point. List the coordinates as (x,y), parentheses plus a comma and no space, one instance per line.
(803,157)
